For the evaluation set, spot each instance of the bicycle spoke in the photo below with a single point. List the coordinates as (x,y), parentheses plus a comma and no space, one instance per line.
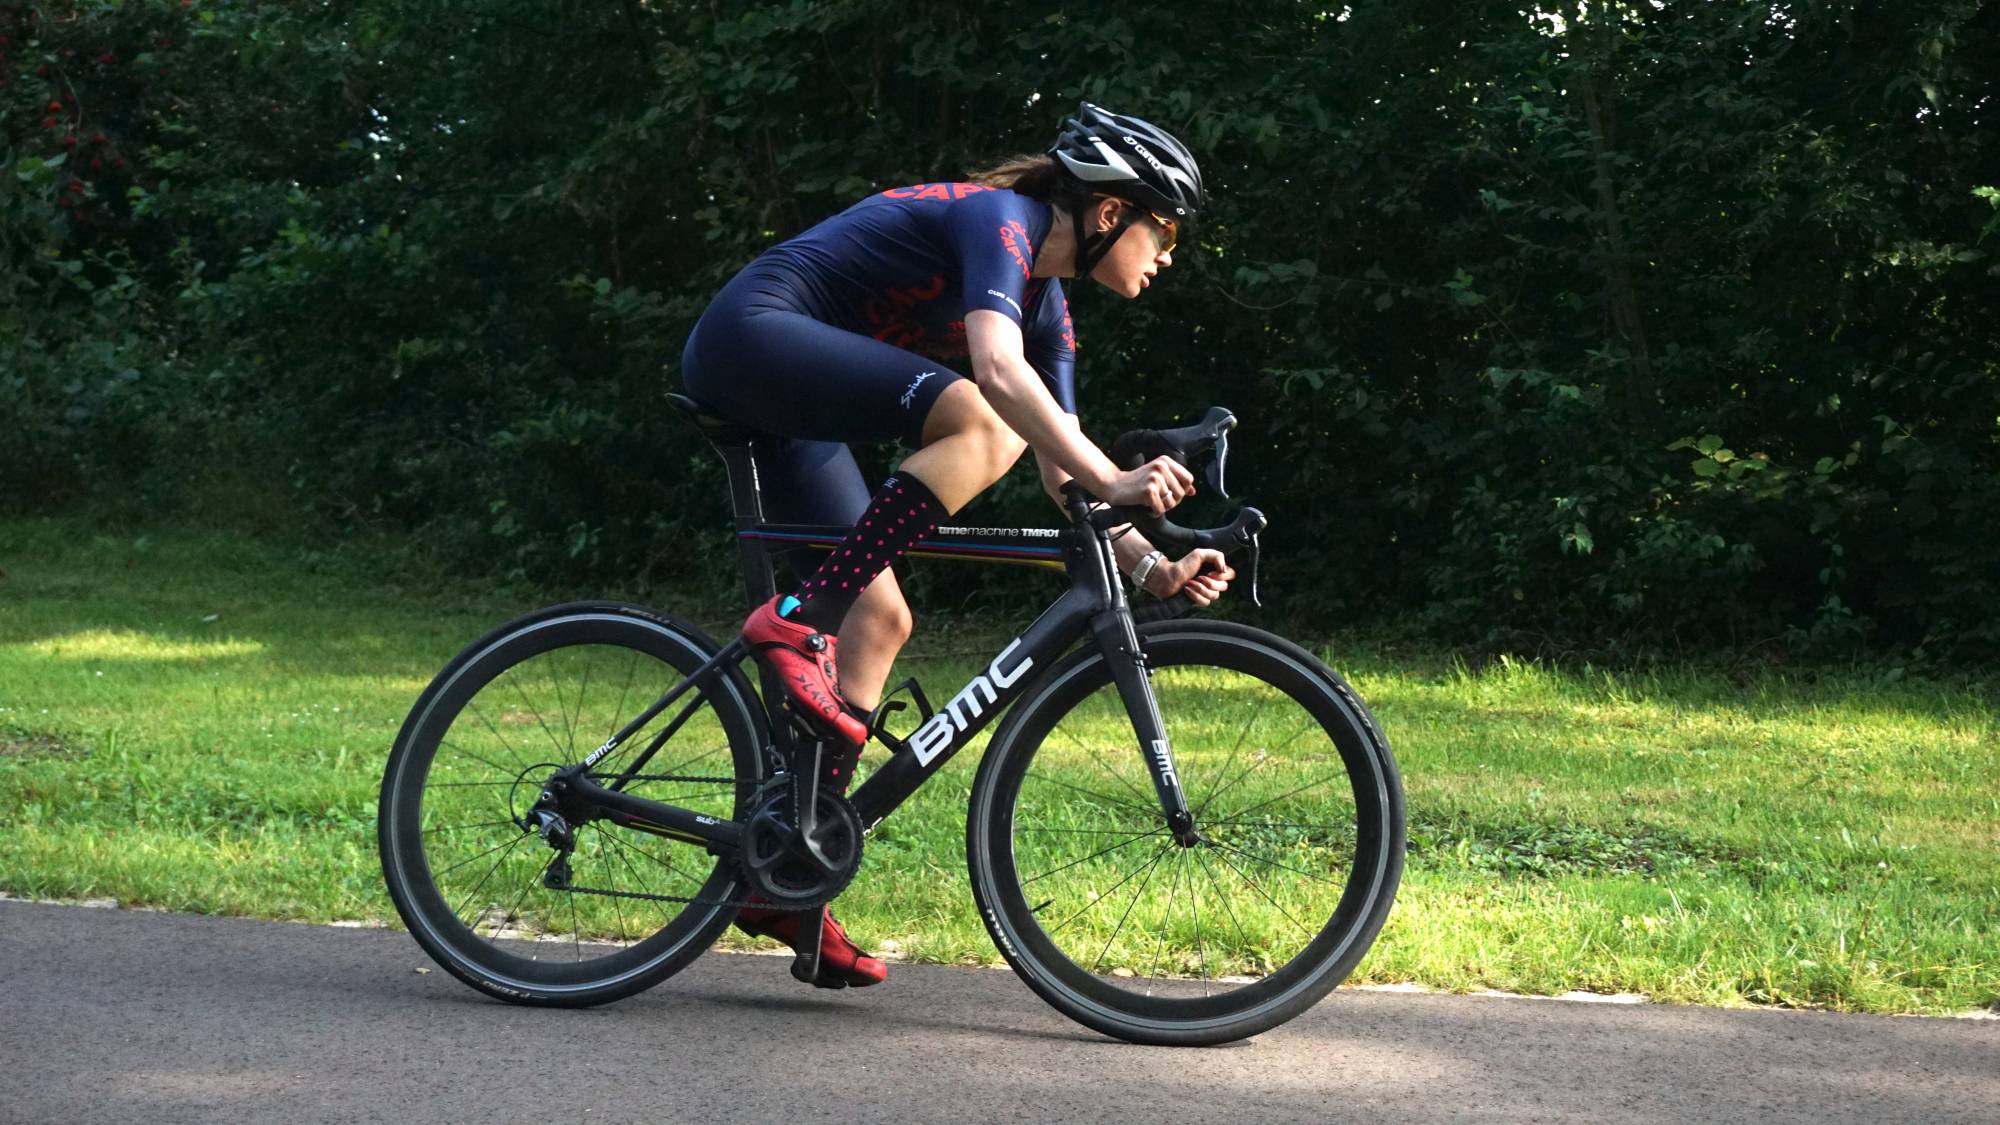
(575,929)
(1242,938)
(618,715)
(1113,890)
(1166,912)
(483,855)
(495,766)
(472,705)
(1335,829)
(1099,796)
(1280,866)
(462,827)
(522,692)
(1261,893)
(617,904)
(1257,761)
(1094,855)
(1194,907)
(477,887)
(1138,894)
(582,692)
(1068,831)
(1241,737)
(637,875)
(1097,759)
(1240,813)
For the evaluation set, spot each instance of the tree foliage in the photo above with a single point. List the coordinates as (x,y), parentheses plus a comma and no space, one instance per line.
(1659,322)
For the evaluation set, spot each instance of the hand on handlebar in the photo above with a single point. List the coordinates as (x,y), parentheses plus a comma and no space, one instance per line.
(1201,574)
(1157,486)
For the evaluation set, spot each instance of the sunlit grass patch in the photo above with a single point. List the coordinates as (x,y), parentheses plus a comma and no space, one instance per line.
(130,645)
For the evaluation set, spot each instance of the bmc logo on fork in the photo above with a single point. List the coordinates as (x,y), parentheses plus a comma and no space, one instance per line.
(1166,763)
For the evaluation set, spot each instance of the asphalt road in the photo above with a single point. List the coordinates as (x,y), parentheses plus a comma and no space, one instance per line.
(123,1016)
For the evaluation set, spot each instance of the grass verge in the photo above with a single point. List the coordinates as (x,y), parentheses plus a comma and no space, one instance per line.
(199,722)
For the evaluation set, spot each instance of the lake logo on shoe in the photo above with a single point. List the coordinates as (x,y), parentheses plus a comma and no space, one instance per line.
(936,734)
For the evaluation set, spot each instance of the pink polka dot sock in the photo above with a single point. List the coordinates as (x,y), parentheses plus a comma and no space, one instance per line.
(902,512)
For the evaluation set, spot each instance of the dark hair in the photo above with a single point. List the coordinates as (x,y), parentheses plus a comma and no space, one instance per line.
(1039,176)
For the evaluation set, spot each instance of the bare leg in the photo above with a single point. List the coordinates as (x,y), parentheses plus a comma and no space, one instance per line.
(966,448)
(874,631)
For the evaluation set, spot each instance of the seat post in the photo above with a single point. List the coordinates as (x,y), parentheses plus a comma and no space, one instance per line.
(746,499)
(737,445)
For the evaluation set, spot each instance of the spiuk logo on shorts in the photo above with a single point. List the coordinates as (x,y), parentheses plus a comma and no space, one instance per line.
(910,395)
(1014,236)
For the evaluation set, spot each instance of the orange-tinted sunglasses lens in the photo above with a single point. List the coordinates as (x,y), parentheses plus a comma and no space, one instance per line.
(1170,232)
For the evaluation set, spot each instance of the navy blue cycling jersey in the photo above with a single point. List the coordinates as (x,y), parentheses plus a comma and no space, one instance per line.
(906,265)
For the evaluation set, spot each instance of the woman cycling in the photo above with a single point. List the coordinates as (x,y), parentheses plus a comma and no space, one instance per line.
(818,342)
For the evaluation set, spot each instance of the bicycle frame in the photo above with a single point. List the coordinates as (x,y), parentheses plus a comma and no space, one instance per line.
(1094,604)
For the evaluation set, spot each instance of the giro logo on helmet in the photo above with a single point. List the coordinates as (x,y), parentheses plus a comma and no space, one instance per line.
(1147,153)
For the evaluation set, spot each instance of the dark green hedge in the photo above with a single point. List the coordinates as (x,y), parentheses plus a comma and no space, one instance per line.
(1651,324)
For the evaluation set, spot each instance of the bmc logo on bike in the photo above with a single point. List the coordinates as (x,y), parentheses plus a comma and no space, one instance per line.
(935,735)
(1166,763)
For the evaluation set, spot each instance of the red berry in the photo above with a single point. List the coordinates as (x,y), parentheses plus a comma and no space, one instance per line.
(76,186)
(98,139)
(48,122)
(96,164)
(54,106)
(69,141)
(42,71)
(120,165)
(66,201)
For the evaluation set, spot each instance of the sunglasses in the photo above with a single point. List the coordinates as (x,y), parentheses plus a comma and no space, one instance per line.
(1169,233)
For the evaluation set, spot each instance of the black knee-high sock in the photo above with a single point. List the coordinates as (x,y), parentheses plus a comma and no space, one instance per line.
(902,512)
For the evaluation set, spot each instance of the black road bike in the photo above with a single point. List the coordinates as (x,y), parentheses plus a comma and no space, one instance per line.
(1182,832)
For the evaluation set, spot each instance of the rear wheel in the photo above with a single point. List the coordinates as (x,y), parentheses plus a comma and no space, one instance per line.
(1103,913)
(530,698)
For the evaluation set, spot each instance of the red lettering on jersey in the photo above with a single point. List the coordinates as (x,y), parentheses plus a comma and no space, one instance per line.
(1014,236)
(888,313)
(935,191)
(1068,330)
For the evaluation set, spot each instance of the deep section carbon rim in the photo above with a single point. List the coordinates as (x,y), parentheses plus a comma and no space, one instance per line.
(1112,919)
(474,886)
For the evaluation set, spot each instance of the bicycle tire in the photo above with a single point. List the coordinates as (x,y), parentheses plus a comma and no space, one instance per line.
(452,759)
(1264,973)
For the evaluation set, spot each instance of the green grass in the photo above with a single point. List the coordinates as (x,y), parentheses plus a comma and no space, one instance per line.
(198,722)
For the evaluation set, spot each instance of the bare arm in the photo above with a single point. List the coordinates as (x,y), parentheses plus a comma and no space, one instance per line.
(1016,393)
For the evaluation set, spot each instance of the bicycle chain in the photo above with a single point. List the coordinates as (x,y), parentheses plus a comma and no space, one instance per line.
(683,898)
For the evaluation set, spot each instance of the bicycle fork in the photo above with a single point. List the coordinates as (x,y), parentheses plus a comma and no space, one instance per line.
(1119,642)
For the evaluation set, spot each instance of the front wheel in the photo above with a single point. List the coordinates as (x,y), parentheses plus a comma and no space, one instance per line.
(1111,919)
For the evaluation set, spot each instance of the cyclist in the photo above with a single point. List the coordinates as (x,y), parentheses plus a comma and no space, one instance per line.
(818,342)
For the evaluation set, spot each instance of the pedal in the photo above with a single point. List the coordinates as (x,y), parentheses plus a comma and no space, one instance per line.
(805,965)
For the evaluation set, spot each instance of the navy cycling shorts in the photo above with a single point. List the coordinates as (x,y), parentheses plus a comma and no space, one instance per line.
(756,359)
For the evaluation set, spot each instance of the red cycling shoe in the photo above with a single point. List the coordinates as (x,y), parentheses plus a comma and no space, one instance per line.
(841,963)
(803,658)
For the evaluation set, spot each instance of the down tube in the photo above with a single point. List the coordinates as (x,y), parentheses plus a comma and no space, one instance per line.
(975,705)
